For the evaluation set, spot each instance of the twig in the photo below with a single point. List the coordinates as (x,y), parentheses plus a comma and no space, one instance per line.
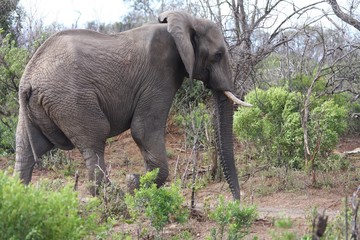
(76,180)
(176,166)
(195,155)
(355,208)
(186,170)
(106,173)
(346,217)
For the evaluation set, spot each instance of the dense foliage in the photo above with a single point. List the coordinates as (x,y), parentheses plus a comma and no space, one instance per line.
(12,64)
(33,212)
(231,218)
(274,125)
(273,130)
(159,205)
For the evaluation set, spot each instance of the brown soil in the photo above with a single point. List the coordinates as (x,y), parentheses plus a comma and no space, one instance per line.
(296,201)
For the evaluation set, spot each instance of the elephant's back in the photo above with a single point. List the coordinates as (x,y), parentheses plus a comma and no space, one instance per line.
(87,69)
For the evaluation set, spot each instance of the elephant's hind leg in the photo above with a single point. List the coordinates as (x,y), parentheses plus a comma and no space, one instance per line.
(87,128)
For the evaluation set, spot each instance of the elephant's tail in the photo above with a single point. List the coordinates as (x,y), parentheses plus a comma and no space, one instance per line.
(25,91)
(40,128)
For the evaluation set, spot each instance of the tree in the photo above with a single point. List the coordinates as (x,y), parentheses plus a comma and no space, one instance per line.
(254,30)
(145,11)
(10,17)
(274,125)
(348,18)
(12,63)
(346,72)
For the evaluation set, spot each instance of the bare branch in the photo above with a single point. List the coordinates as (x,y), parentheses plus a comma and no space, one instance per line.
(344,16)
(278,29)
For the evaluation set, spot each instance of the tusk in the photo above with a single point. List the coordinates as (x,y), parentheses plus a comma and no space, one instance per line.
(236,100)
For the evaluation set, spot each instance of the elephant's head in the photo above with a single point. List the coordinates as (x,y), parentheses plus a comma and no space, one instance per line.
(203,51)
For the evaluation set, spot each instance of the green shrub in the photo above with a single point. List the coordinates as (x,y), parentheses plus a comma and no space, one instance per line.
(7,134)
(353,122)
(159,205)
(273,125)
(112,202)
(337,227)
(59,161)
(183,235)
(13,61)
(190,92)
(282,230)
(192,114)
(233,218)
(29,212)
(196,121)
(274,128)
(328,121)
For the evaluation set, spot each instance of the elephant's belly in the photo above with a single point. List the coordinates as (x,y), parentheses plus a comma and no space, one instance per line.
(119,127)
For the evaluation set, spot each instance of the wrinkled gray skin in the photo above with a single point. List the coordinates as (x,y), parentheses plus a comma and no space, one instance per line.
(82,87)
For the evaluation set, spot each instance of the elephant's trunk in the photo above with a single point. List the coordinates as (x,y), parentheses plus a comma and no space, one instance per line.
(224,139)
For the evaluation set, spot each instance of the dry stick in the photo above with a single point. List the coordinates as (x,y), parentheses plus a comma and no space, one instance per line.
(195,157)
(186,168)
(106,174)
(346,217)
(313,156)
(108,181)
(355,207)
(194,176)
(176,167)
(76,180)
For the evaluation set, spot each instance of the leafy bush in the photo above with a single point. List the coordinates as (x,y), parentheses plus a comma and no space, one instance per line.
(274,127)
(29,212)
(7,134)
(353,120)
(59,161)
(112,202)
(13,61)
(197,124)
(282,230)
(159,205)
(340,226)
(232,217)
(183,235)
(328,120)
(190,92)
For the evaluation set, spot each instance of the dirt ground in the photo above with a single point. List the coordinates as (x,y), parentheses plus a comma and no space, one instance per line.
(295,202)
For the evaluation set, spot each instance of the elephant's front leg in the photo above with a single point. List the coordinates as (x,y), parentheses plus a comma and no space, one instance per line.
(96,167)
(149,135)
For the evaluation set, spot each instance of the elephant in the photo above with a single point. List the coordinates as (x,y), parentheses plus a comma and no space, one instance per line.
(82,87)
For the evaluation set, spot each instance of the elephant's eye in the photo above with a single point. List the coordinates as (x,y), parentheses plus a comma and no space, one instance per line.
(217,57)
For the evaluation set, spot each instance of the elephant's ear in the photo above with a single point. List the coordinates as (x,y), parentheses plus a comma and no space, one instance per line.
(180,26)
